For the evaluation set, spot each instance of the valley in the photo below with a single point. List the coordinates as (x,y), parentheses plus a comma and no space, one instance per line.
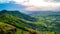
(33,23)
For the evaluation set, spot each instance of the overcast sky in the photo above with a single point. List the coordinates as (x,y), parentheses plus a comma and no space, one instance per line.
(30,5)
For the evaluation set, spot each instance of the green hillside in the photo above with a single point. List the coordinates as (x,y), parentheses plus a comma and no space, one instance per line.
(51,20)
(21,24)
(15,22)
(18,14)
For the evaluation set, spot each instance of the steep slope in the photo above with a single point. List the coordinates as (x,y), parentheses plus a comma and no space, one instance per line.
(6,28)
(12,17)
(21,23)
(43,23)
(16,22)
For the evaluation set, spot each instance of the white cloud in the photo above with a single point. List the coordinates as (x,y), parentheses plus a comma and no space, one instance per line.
(39,4)
(36,4)
(52,0)
(5,1)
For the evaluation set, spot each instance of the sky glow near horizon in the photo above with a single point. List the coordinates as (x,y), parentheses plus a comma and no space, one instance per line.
(32,5)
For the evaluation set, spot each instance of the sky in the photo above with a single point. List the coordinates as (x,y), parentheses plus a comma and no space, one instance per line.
(30,5)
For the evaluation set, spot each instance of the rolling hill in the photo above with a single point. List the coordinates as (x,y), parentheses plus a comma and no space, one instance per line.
(18,14)
(18,20)
(48,19)
(35,22)
(12,18)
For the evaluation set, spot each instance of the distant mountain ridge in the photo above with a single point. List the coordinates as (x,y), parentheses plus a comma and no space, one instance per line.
(43,12)
(18,14)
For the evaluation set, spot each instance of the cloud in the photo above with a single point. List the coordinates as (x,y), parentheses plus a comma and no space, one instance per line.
(5,1)
(57,0)
(36,4)
(52,0)
(11,6)
(39,4)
